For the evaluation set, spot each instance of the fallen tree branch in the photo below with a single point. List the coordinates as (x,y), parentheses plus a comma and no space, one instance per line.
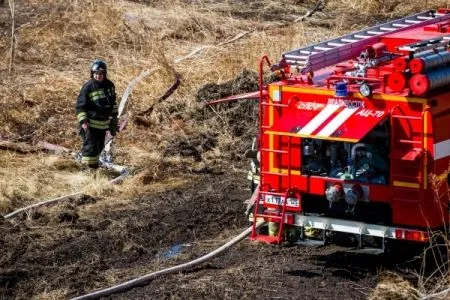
(21,148)
(52,147)
(318,7)
(12,7)
(440,295)
(237,37)
(192,53)
(25,148)
(166,95)
(217,114)
(197,50)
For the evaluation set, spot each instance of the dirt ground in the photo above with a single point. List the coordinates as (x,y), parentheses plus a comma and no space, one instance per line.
(67,251)
(187,195)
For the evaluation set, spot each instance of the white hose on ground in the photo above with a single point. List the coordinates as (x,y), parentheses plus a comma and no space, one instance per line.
(144,279)
(51,201)
(122,104)
(16,212)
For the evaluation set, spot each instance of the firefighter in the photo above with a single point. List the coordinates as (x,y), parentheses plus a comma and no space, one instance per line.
(96,110)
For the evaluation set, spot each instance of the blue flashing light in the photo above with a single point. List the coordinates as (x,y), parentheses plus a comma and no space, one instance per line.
(341,89)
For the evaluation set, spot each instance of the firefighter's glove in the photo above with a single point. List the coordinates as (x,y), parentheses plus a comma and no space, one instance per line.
(113,126)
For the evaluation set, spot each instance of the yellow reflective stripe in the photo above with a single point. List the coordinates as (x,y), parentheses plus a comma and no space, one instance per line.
(81,116)
(115,108)
(95,98)
(88,159)
(406,184)
(95,95)
(99,124)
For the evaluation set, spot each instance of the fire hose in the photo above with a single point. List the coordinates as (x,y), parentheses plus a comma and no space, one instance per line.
(65,197)
(143,280)
(108,145)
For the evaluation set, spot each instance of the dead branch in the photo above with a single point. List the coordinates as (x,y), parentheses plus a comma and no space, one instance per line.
(164,96)
(217,114)
(318,7)
(12,6)
(441,295)
(193,52)
(24,148)
(197,50)
(21,148)
(52,147)
(237,37)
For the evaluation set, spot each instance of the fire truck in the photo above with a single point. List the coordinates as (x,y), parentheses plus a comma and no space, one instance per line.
(355,136)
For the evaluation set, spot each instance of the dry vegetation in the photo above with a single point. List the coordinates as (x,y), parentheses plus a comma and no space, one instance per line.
(172,145)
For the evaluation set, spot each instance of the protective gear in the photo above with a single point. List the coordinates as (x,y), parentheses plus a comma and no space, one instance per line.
(85,125)
(113,126)
(98,65)
(96,109)
(93,142)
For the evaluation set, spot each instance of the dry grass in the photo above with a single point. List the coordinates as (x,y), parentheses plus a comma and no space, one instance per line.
(392,286)
(57,40)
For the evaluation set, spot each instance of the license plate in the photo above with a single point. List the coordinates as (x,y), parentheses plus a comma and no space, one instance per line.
(279,200)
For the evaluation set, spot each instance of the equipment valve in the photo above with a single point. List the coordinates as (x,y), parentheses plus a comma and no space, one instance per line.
(334,193)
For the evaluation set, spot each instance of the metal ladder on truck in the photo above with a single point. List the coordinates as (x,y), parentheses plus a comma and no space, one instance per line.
(412,177)
(275,217)
(331,52)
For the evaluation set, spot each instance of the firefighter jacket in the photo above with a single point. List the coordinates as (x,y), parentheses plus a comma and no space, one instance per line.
(97,104)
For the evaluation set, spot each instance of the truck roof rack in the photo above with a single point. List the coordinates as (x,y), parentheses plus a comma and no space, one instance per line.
(441,42)
(324,54)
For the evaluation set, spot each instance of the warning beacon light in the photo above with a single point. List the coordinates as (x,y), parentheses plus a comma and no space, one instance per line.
(341,89)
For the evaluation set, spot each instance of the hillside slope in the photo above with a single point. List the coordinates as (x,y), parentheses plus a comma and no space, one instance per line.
(190,181)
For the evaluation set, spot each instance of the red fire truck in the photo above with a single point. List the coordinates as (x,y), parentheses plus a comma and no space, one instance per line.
(355,137)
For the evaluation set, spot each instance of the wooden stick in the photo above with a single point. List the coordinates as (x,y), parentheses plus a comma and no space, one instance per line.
(12,5)
(309,13)
(237,37)
(164,96)
(17,147)
(197,50)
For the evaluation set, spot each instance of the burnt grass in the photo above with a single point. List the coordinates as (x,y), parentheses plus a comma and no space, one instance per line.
(85,245)
(62,248)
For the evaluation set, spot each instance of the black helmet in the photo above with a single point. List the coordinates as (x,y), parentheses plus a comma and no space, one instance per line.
(98,65)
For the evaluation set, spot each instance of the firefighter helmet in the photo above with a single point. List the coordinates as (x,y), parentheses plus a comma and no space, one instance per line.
(98,65)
